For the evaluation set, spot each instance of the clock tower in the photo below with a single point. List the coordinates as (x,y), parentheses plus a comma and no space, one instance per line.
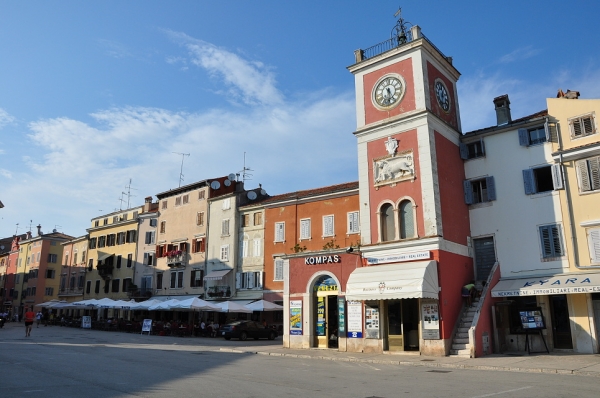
(413,215)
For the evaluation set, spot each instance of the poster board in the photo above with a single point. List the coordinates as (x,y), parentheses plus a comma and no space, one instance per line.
(355,321)
(295,317)
(86,322)
(147,326)
(341,316)
(532,319)
(430,320)
(372,320)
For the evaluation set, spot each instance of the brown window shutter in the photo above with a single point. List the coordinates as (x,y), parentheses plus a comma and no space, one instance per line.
(202,246)
(193,245)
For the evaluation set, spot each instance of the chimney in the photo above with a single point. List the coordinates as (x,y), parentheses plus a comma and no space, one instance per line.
(39,228)
(147,203)
(502,105)
(28,235)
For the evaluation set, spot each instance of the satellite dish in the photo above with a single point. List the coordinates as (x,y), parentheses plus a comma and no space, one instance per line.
(227,183)
(263,192)
(215,185)
(251,195)
(231,177)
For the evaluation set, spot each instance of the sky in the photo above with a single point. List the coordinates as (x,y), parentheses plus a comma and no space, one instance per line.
(96,94)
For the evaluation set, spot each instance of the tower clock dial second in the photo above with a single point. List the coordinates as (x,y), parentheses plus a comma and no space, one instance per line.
(388,92)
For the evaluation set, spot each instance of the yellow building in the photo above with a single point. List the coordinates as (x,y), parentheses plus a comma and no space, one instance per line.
(73,270)
(576,147)
(111,254)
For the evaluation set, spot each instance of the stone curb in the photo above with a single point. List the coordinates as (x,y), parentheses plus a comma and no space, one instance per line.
(421,364)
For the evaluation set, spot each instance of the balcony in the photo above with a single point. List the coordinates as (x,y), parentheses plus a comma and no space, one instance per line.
(105,270)
(219,292)
(177,258)
(135,292)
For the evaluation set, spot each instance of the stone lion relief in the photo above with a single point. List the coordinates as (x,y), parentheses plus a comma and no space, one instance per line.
(394,168)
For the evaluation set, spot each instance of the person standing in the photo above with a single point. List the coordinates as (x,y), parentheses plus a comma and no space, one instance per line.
(468,292)
(38,318)
(29,317)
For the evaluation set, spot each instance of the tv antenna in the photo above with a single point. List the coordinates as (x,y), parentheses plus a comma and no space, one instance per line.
(56,227)
(129,195)
(17,229)
(121,200)
(30,224)
(245,171)
(183,155)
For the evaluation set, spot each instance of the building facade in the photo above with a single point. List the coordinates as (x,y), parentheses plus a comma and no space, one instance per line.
(73,270)
(145,282)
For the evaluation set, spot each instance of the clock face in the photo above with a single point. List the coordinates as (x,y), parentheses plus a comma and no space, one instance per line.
(441,93)
(388,91)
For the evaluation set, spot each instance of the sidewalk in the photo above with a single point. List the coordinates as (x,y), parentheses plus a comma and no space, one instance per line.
(559,363)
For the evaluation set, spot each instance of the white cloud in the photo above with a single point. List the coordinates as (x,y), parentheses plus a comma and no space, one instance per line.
(519,54)
(5,118)
(5,173)
(114,49)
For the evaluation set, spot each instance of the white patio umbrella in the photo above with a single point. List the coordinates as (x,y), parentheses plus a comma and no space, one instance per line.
(144,305)
(163,306)
(195,303)
(262,305)
(85,303)
(230,306)
(103,303)
(122,304)
(47,303)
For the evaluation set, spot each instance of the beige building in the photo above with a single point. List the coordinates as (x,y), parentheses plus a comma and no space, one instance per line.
(145,281)
(73,270)
(251,261)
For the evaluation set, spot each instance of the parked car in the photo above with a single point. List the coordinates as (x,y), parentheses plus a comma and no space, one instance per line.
(247,329)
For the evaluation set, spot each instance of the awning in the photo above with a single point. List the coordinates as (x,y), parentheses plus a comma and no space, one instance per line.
(394,281)
(569,283)
(104,256)
(216,275)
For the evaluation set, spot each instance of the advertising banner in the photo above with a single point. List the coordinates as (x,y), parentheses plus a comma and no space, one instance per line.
(296,317)
(341,316)
(355,319)
(430,320)
(86,322)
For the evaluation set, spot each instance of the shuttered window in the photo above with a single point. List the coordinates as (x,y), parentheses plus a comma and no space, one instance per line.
(589,174)
(542,179)
(305,229)
(244,248)
(472,150)
(327,225)
(387,225)
(225,227)
(225,253)
(594,244)
(278,270)
(551,241)
(256,250)
(279,231)
(583,126)
(485,257)
(353,223)
(479,191)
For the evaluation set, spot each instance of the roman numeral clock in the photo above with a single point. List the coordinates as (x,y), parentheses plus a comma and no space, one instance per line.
(388,91)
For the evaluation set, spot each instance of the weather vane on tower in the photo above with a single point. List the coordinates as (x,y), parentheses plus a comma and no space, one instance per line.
(401,32)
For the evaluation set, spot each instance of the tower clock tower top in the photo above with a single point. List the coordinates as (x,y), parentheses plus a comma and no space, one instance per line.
(402,76)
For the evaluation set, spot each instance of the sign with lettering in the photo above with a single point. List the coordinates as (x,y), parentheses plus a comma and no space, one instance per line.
(398,258)
(559,284)
(532,319)
(86,322)
(355,319)
(147,325)
(296,317)
(430,320)
(322,260)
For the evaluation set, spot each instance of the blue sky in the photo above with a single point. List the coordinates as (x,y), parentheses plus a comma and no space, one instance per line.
(95,93)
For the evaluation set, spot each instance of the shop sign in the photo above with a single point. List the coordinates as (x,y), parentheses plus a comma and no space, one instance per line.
(341,316)
(398,258)
(430,319)
(322,260)
(296,317)
(372,321)
(86,322)
(355,319)
(147,325)
(320,316)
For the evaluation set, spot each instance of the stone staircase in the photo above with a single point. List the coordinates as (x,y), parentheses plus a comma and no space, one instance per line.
(460,344)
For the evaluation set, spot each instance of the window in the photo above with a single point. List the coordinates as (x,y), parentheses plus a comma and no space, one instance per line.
(149,258)
(101,241)
(74,258)
(124,217)
(533,136)
(278,269)
(328,226)
(542,179)
(225,227)
(185,199)
(146,285)
(163,227)
(126,284)
(583,126)
(178,201)
(245,220)
(97,223)
(111,239)
(353,223)
(106,286)
(88,287)
(248,280)
(52,258)
(49,291)
(196,278)
(244,248)
(129,260)
(153,222)
(256,249)
(227,204)
(164,204)
(121,238)
(149,238)
(551,241)
(83,257)
(225,253)
(479,191)
(72,282)
(407,220)
(135,215)
(115,219)
(177,280)
(131,236)
(198,245)
(387,225)
(38,258)
(472,150)
(97,287)
(257,218)
(105,221)
(588,171)
(305,228)
(594,244)
(485,257)
(201,195)
(159,281)
(115,285)
(279,232)
(200,218)
(119,257)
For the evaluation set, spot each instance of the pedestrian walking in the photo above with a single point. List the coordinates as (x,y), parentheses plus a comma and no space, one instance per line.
(38,318)
(29,317)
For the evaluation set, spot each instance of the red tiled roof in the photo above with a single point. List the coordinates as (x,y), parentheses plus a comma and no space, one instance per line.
(516,121)
(312,192)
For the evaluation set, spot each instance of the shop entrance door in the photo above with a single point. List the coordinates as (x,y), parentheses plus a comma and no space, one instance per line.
(326,320)
(403,325)
(561,326)
(596,305)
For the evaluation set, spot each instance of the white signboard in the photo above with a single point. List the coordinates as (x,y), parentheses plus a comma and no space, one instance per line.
(398,258)
(354,319)
(86,322)
(147,326)
(430,318)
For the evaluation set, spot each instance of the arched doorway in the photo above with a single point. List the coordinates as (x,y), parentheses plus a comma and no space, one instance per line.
(325,311)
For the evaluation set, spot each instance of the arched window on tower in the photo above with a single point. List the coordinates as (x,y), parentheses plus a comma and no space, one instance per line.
(388,228)
(407,220)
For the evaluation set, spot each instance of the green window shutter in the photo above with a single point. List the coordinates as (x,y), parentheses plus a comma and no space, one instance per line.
(529,181)
(523,137)
(464,151)
(546,241)
(468,188)
(491,188)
